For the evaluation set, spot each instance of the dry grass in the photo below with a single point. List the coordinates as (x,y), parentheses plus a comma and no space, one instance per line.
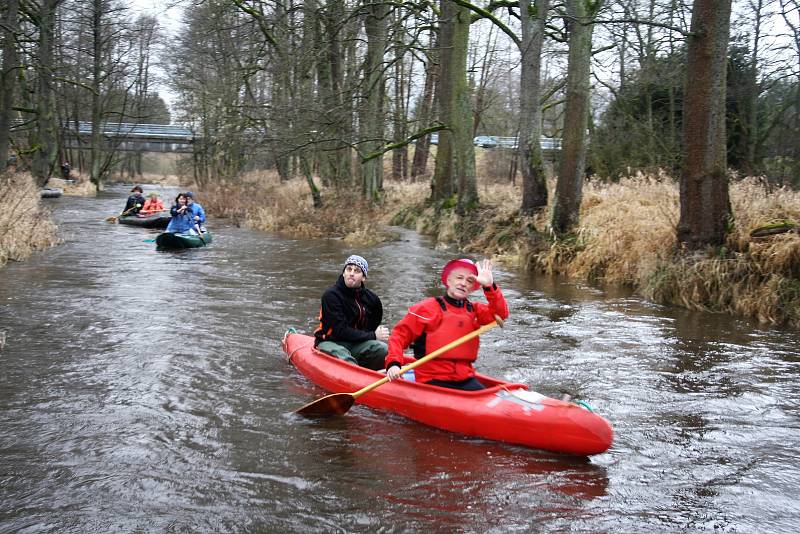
(627,237)
(25,225)
(625,229)
(263,202)
(751,277)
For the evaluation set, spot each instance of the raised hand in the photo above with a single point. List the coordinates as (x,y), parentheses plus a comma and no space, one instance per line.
(484,277)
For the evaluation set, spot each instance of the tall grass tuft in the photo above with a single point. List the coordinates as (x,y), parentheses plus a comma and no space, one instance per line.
(625,229)
(627,235)
(25,224)
(263,202)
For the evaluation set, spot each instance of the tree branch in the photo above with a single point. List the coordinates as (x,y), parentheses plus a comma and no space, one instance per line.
(645,23)
(386,148)
(481,13)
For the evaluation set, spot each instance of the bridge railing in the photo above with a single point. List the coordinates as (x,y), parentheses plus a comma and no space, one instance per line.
(496,141)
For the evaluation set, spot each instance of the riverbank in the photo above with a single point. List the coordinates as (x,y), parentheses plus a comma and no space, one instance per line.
(26,224)
(626,237)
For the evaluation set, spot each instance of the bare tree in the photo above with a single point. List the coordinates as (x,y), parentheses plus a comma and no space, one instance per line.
(790,11)
(45,137)
(375,24)
(426,107)
(7,82)
(400,119)
(455,161)
(534,185)
(567,201)
(705,205)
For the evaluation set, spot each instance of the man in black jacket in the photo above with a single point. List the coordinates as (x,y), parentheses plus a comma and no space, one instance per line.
(135,201)
(350,319)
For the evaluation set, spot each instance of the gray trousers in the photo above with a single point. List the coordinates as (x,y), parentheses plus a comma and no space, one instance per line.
(369,354)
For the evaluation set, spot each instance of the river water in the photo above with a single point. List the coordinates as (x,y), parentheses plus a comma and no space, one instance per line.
(147,391)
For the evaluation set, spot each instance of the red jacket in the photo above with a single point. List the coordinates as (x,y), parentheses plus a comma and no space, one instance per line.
(428,326)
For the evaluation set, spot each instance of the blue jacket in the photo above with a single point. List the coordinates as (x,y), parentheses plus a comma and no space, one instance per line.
(180,222)
(197,210)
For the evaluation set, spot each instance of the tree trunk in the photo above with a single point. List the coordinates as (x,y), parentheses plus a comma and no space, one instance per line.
(534,184)
(96,139)
(567,201)
(455,161)
(753,93)
(375,25)
(705,205)
(304,129)
(419,165)
(7,83)
(316,199)
(335,161)
(399,155)
(44,158)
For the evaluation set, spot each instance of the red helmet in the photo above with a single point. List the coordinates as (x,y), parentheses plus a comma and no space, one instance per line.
(464,263)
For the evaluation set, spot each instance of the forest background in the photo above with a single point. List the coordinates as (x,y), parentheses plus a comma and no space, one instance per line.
(677,122)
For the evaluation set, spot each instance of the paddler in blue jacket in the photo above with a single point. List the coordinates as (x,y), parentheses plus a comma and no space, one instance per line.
(198,213)
(182,221)
(350,319)
(437,321)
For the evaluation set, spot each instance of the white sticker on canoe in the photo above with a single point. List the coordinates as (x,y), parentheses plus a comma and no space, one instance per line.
(529,400)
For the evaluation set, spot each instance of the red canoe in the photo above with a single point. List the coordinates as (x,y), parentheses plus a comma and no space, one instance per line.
(504,411)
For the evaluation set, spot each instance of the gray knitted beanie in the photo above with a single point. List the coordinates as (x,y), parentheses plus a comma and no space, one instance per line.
(359,262)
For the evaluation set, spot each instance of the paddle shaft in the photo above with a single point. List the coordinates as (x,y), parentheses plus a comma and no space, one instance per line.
(429,357)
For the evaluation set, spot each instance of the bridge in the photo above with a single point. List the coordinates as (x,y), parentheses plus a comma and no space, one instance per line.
(552,144)
(122,136)
(132,137)
(140,137)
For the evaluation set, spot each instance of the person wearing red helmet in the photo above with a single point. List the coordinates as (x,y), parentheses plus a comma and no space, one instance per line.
(435,322)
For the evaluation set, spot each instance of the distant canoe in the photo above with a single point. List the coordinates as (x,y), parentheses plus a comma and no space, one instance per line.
(157,220)
(51,192)
(169,240)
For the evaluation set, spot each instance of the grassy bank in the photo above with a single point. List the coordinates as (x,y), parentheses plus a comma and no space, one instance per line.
(25,224)
(262,202)
(626,237)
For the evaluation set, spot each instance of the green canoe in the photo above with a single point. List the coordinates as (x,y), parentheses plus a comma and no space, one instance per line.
(172,240)
(156,220)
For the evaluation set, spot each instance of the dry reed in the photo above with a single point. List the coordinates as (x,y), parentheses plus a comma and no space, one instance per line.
(626,237)
(263,202)
(25,225)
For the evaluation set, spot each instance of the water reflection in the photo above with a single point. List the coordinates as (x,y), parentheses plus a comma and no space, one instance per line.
(432,477)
